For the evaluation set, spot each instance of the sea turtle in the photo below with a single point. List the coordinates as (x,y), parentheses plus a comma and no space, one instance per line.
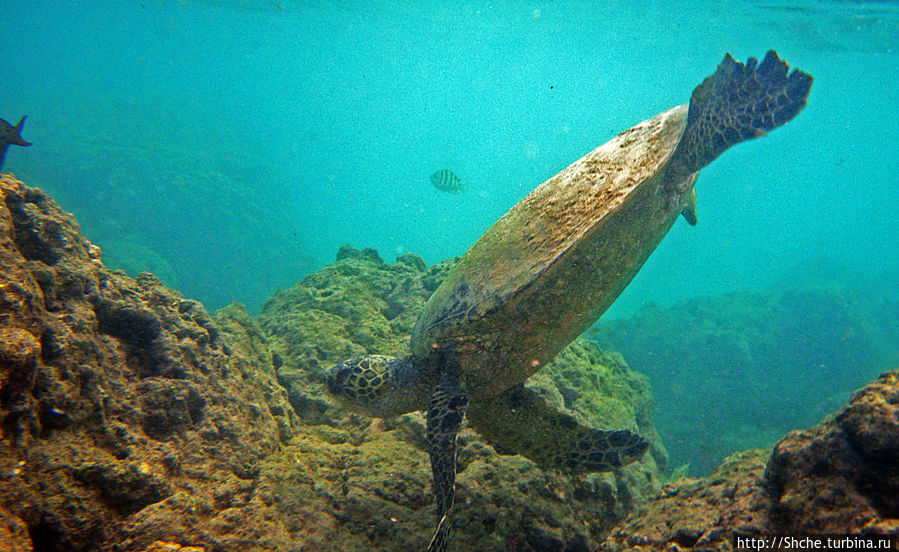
(547,269)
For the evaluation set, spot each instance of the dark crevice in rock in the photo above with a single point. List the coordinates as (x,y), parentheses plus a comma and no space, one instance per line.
(137,327)
(125,488)
(686,537)
(50,348)
(47,538)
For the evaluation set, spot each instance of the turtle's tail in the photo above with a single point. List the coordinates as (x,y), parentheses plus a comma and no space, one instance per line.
(738,102)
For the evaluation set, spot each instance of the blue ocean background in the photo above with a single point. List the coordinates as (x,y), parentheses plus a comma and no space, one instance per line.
(231,147)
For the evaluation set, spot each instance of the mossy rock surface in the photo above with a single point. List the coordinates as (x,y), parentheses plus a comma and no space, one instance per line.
(132,421)
(361,305)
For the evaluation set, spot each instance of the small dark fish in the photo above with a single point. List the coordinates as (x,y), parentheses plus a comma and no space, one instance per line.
(447,181)
(10,135)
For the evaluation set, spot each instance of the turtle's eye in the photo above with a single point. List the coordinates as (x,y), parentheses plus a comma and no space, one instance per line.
(360,380)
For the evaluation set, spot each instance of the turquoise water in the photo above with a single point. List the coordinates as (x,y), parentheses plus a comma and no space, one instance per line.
(232,147)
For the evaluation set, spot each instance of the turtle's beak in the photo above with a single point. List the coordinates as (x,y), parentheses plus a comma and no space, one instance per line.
(634,452)
(336,376)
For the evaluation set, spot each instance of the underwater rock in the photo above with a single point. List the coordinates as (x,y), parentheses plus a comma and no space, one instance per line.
(13,533)
(837,477)
(124,416)
(349,252)
(359,305)
(698,514)
(132,420)
(846,470)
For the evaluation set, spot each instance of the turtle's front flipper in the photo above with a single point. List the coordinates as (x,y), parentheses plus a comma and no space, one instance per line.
(445,413)
(736,103)
(521,421)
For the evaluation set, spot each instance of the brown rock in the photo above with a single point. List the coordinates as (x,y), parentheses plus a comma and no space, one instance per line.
(13,533)
(125,417)
(19,351)
(842,475)
(837,477)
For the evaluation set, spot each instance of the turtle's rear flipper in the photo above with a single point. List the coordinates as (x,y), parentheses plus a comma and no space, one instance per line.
(445,413)
(520,421)
(736,103)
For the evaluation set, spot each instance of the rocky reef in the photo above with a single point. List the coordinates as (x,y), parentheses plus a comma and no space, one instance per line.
(841,476)
(362,305)
(133,421)
(125,417)
(744,368)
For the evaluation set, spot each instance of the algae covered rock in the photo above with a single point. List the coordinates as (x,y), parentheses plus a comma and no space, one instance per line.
(125,417)
(13,533)
(357,305)
(362,305)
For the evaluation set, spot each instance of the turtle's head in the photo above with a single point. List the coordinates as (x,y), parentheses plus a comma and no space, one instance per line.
(379,386)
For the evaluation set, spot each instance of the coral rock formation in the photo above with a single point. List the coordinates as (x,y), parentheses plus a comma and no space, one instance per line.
(124,417)
(133,421)
(837,477)
(362,305)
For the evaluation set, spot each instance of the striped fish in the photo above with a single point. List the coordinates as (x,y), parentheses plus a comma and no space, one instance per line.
(447,181)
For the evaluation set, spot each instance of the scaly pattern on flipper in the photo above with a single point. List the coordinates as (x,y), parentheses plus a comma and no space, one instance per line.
(736,103)
(445,414)
(521,421)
